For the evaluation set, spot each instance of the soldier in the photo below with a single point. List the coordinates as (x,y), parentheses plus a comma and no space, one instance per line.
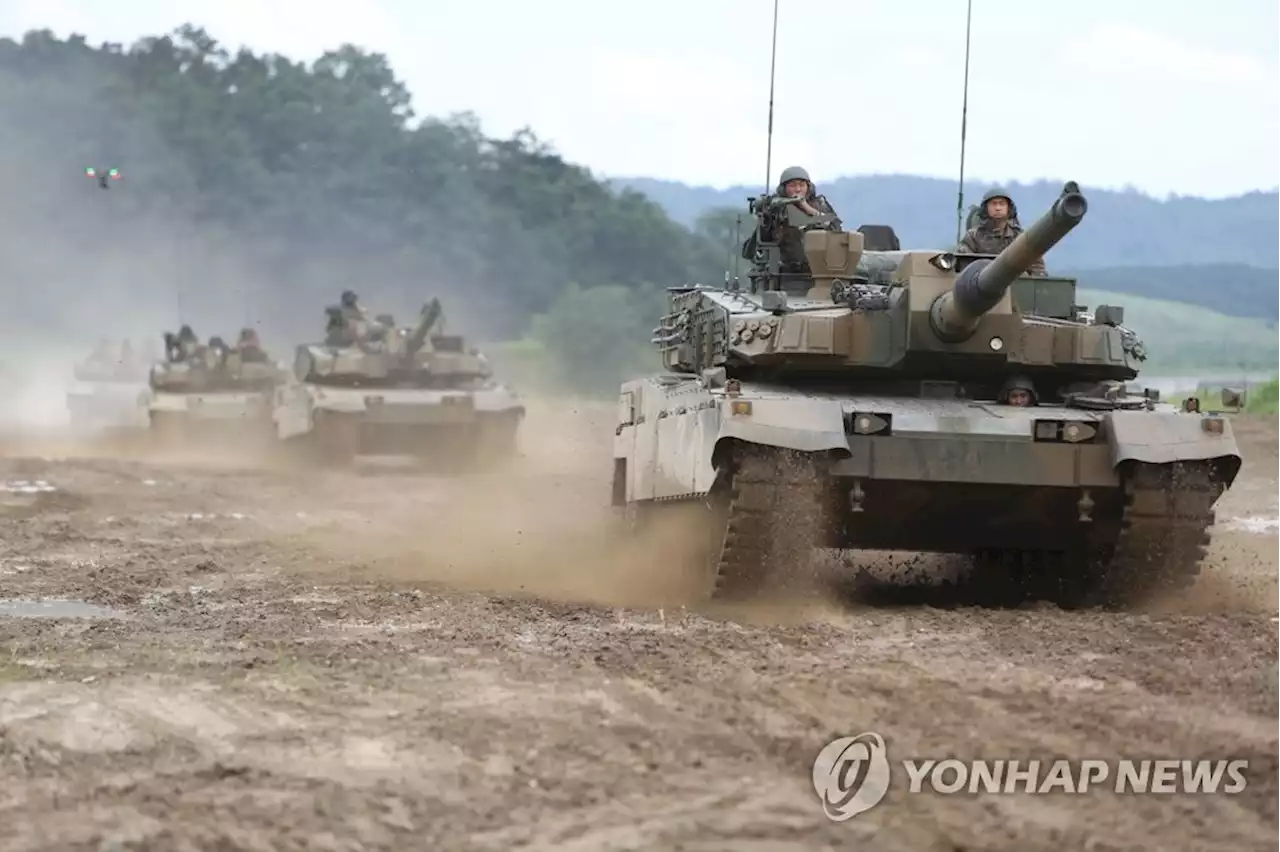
(183,346)
(351,307)
(250,347)
(793,183)
(997,226)
(1019,391)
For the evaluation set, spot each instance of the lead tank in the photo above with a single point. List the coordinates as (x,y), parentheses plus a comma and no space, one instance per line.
(864,402)
(377,389)
(108,390)
(214,393)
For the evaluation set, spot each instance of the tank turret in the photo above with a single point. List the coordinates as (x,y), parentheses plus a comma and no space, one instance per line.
(983,283)
(941,317)
(375,353)
(216,366)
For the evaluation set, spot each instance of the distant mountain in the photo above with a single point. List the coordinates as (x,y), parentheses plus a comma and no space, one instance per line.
(1124,228)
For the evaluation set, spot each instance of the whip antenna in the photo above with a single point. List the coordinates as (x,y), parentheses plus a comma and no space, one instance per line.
(964,123)
(773,64)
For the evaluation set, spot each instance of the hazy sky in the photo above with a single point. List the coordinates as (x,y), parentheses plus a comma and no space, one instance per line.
(1164,95)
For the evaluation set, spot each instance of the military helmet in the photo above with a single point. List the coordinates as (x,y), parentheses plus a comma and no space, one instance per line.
(999,192)
(791,173)
(1014,383)
(349,298)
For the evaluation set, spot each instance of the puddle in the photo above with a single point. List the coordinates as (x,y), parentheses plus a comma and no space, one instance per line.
(26,486)
(56,609)
(1254,524)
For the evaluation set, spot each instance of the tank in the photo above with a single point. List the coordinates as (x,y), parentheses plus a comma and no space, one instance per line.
(108,390)
(373,388)
(214,393)
(924,401)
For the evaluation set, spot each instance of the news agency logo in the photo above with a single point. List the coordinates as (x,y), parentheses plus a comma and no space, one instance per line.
(852,774)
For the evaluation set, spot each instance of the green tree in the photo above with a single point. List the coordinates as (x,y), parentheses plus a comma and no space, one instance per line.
(293,180)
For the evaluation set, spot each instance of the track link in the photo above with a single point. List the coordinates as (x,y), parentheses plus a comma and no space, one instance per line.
(777,511)
(1164,532)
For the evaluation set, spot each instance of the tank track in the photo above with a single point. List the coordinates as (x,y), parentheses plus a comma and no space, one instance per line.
(775,512)
(1163,535)
(1155,544)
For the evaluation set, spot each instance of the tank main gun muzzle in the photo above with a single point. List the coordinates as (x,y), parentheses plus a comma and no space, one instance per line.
(983,283)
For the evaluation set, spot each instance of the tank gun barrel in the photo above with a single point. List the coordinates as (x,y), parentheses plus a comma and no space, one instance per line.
(983,283)
(427,320)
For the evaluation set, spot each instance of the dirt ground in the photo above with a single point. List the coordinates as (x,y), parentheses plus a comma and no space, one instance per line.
(375,660)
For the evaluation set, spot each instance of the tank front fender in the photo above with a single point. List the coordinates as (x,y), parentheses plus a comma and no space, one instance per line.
(807,426)
(1163,437)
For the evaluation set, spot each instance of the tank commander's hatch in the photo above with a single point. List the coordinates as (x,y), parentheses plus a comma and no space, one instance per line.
(879,238)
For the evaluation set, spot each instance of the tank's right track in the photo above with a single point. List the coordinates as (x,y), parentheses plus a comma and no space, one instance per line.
(774,513)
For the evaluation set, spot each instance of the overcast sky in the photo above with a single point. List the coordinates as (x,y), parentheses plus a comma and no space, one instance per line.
(1164,95)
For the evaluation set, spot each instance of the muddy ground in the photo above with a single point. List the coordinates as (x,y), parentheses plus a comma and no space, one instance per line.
(375,660)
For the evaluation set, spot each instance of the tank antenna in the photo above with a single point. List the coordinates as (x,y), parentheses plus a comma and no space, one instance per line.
(773,64)
(964,124)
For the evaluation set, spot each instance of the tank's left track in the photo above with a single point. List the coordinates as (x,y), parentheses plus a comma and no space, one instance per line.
(1156,545)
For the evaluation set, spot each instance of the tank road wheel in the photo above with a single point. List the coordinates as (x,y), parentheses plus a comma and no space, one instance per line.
(337,437)
(778,508)
(1159,543)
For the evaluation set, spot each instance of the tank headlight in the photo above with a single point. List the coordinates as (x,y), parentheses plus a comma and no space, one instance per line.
(996,344)
(944,262)
(740,406)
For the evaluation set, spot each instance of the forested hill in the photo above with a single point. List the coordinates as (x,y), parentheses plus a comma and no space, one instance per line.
(259,187)
(1121,229)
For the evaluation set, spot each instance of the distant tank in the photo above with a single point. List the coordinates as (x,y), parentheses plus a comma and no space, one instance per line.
(373,388)
(214,392)
(919,401)
(108,390)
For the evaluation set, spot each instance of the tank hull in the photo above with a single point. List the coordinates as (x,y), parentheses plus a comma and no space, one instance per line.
(446,426)
(223,419)
(1045,483)
(94,405)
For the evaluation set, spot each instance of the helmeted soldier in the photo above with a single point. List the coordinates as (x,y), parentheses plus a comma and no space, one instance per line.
(250,347)
(1019,391)
(183,346)
(997,226)
(794,187)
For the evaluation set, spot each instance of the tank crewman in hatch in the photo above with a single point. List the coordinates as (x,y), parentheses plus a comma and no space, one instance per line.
(793,183)
(183,346)
(997,226)
(359,324)
(1019,391)
(250,347)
